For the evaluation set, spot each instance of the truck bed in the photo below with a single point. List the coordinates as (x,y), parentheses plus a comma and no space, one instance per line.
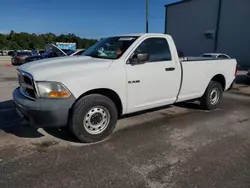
(197,73)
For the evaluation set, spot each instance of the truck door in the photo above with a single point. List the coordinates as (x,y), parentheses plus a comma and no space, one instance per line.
(154,82)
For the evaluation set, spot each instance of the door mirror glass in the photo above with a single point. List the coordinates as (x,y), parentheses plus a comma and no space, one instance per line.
(139,58)
(142,57)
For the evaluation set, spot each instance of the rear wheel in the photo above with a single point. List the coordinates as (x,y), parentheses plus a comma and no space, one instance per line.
(94,118)
(212,96)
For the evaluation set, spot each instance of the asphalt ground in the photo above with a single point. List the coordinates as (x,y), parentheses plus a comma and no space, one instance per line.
(177,146)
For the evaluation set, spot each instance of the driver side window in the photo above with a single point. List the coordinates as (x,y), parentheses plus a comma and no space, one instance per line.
(156,48)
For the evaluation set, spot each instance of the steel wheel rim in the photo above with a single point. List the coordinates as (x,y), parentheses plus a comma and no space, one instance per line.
(96,120)
(214,96)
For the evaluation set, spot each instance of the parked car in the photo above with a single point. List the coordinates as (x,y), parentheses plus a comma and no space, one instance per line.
(19,57)
(40,52)
(34,52)
(53,51)
(3,53)
(11,53)
(112,79)
(216,55)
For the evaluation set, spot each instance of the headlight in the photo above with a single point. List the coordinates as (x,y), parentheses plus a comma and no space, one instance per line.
(52,90)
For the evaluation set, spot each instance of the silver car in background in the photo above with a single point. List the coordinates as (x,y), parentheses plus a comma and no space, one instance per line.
(3,53)
(216,55)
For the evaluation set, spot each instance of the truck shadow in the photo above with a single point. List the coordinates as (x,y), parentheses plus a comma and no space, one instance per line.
(11,123)
(189,105)
(62,134)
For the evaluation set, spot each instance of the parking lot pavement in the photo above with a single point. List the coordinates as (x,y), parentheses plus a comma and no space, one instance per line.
(5,61)
(179,146)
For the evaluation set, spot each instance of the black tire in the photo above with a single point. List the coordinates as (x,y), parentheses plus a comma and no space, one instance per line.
(81,111)
(205,101)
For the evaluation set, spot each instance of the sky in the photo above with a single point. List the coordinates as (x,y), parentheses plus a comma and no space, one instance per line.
(84,18)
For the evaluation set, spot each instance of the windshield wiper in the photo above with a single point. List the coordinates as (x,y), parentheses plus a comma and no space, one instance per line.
(96,56)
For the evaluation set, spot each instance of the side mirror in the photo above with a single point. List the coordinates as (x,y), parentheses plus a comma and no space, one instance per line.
(142,57)
(139,58)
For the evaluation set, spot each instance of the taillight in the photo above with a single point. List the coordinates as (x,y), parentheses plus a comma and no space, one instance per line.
(19,56)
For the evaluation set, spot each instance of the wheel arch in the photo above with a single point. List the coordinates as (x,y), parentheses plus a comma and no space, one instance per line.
(220,79)
(111,94)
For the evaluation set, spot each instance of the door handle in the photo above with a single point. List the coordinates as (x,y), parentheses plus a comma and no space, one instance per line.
(170,69)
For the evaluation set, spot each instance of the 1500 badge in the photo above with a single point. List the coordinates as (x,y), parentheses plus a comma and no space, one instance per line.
(134,81)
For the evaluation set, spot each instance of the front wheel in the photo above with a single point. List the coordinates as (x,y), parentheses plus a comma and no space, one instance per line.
(94,118)
(212,96)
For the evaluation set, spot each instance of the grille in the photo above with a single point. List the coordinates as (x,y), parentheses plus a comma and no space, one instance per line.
(27,86)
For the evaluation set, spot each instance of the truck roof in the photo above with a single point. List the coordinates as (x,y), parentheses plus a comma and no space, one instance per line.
(143,34)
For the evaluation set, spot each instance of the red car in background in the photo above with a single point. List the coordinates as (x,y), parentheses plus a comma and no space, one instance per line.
(19,57)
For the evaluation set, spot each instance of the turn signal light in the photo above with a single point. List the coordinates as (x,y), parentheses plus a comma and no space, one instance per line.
(59,94)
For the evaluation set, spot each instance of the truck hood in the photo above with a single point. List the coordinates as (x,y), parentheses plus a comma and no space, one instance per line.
(45,69)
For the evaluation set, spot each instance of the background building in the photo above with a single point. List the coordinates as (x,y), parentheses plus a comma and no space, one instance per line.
(200,26)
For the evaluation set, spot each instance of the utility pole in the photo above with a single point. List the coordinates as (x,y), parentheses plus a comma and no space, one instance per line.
(146,16)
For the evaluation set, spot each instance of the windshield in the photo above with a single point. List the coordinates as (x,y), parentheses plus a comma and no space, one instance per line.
(110,48)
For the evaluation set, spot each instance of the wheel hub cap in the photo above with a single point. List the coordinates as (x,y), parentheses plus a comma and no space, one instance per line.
(96,120)
(214,96)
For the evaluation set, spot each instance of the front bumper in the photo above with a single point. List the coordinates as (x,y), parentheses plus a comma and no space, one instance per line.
(43,112)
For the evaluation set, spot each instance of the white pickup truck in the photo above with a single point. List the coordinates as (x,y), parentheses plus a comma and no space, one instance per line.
(118,75)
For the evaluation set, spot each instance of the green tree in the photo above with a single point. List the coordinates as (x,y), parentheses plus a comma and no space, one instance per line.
(13,46)
(27,41)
